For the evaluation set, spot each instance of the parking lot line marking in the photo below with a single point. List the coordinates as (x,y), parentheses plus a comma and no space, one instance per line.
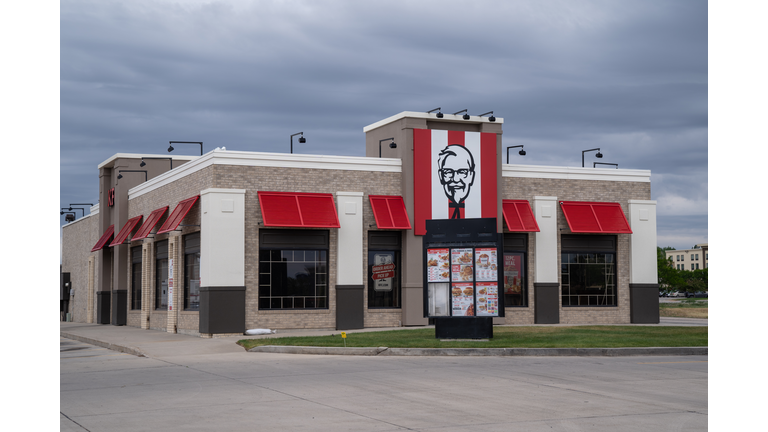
(692,361)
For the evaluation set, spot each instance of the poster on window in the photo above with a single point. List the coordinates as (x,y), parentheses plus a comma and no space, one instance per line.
(461,265)
(382,272)
(438,266)
(487,299)
(462,296)
(486,264)
(513,273)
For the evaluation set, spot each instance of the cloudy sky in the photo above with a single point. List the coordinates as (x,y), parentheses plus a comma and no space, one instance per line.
(628,77)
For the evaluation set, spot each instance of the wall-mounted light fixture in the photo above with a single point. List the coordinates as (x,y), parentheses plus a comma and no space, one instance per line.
(302,140)
(391,145)
(491,118)
(465,117)
(73,208)
(70,216)
(521,152)
(439,114)
(598,155)
(170,147)
(595,164)
(143,164)
(119,175)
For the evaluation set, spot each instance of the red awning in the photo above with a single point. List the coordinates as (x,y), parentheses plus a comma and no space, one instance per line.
(389,212)
(127,229)
(104,238)
(150,223)
(178,214)
(519,216)
(595,217)
(298,209)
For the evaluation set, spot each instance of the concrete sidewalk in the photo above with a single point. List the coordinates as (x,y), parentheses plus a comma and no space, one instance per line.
(158,344)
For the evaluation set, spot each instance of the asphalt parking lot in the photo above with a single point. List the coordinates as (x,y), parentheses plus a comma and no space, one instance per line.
(107,390)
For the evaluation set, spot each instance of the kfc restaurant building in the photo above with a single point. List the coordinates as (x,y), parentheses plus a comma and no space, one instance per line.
(234,240)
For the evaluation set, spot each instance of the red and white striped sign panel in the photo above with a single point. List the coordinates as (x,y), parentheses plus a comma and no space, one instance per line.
(454,175)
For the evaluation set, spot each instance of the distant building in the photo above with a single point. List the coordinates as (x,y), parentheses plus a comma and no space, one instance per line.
(690,259)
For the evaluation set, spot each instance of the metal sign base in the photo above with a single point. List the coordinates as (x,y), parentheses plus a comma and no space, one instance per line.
(463,327)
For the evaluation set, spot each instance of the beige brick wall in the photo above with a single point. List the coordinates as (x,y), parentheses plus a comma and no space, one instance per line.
(254,179)
(579,190)
(78,238)
(170,195)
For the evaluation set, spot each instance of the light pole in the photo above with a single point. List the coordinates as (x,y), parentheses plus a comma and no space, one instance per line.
(170,147)
(598,155)
(391,145)
(521,152)
(302,140)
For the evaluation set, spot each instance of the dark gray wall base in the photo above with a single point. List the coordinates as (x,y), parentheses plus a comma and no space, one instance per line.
(644,303)
(222,310)
(463,327)
(103,305)
(349,307)
(119,307)
(547,303)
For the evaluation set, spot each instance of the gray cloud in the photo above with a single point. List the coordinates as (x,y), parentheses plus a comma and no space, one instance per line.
(628,77)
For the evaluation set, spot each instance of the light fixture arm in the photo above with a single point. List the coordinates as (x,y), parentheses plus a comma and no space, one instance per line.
(170,147)
(391,145)
(142,160)
(74,208)
(491,118)
(522,152)
(439,113)
(599,155)
(301,140)
(122,171)
(594,164)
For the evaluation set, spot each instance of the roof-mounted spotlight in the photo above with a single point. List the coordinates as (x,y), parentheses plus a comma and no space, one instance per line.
(521,152)
(302,140)
(598,155)
(595,164)
(170,146)
(439,114)
(465,117)
(119,175)
(69,217)
(391,145)
(491,118)
(143,163)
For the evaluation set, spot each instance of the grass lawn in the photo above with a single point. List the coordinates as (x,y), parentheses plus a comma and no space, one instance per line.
(688,308)
(511,337)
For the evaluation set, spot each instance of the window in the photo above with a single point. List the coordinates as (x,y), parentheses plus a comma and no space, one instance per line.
(697,266)
(588,270)
(161,275)
(678,258)
(293,269)
(697,257)
(192,271)
(384,269)
(691,257)
(136,278)
(514,267)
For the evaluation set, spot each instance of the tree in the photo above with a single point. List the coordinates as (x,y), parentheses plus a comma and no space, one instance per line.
(680,280)
(669,276)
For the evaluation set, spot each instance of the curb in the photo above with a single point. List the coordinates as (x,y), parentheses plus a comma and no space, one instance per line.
(119,348)
(519,352)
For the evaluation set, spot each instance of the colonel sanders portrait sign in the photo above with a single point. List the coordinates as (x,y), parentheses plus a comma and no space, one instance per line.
(454,176)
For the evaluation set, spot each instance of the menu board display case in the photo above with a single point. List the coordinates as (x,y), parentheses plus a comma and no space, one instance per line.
(463,273)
